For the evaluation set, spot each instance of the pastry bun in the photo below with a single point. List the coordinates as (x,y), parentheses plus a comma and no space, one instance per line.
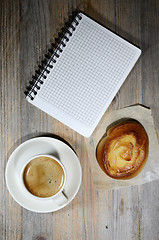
(123,152)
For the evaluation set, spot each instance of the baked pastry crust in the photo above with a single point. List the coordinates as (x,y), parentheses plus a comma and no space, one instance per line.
(123,153)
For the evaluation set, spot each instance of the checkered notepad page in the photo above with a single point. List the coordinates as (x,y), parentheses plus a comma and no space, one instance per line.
(86,76)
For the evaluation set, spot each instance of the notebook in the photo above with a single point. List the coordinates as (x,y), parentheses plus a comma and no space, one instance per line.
(82,75)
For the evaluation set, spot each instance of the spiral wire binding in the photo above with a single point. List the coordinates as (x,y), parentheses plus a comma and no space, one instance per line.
(53,53)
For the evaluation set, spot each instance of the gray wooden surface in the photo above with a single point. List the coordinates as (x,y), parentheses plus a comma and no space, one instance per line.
(26,30)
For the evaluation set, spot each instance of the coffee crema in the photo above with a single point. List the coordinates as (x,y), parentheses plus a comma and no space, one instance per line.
(43,177)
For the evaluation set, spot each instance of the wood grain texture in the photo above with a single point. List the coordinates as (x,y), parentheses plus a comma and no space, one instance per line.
(26,31)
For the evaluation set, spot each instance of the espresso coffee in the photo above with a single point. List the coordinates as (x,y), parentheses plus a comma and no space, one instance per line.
(43,176)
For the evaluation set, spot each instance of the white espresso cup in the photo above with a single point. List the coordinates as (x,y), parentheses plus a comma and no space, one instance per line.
(43,177)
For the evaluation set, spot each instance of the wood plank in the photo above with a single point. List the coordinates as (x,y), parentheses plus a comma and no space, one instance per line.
(10,212)
(150,59)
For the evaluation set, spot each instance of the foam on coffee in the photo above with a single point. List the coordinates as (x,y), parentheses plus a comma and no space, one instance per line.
(43,176)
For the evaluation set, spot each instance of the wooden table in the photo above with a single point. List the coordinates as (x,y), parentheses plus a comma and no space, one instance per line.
(27,29)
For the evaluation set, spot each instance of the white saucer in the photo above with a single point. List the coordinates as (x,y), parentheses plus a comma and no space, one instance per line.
(43,145)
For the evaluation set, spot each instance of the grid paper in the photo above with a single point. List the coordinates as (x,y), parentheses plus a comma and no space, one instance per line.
(88,70)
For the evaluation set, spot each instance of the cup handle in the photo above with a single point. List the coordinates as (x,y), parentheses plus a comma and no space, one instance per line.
(61,198)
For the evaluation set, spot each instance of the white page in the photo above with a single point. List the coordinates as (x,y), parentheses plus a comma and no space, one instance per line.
(86,76)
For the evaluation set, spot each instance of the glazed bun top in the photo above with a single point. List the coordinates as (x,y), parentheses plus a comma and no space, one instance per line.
(123,152)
